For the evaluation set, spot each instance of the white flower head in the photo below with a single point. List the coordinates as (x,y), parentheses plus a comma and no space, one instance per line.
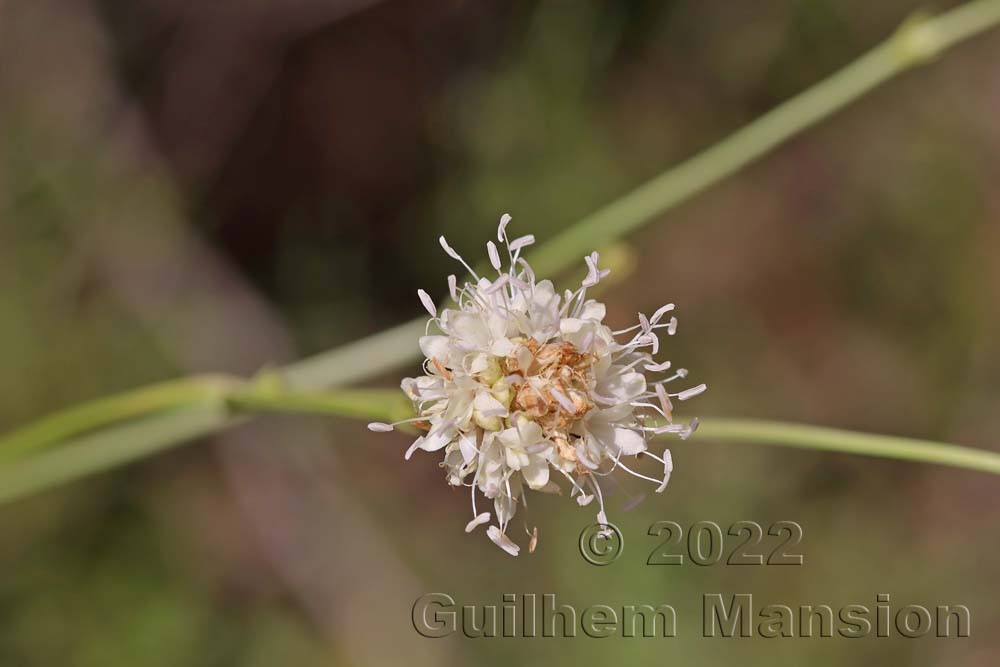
(524,387)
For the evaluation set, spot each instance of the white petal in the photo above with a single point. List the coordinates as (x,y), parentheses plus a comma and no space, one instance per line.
(623,387)
(501,347)
(435,347)
(438,438)
(593,310)
(467,446)
(478,521)
(584,500)
(536,473)
(628,442)
(488,406)
(530,432)
(502,541)
(517,458)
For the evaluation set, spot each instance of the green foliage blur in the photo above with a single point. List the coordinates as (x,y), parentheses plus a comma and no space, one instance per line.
(193,187)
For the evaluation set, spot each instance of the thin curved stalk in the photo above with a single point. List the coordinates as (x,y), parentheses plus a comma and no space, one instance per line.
(92,415)
(802,436)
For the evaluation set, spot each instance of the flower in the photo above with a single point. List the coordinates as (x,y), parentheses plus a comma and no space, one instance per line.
(524,387)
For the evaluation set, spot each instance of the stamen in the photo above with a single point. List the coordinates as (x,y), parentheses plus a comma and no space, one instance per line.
(668,467)
(428,302)
(491,249)
(657,368)
(668,407)
(522,242)
(660,312)
(454,255)
(691,393)
(479,520)
(502,229)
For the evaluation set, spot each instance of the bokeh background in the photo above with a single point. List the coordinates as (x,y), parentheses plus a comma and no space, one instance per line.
(198,186)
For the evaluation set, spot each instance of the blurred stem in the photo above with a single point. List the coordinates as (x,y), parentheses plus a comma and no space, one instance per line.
(223,394)
(139,423)
(802,436)
(92,415)
(918,40)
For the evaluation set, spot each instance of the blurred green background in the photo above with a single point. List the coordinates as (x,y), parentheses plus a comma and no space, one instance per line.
(190,187)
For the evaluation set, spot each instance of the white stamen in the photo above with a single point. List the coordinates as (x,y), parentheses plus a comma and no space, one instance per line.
(665,404)
(478,521)
(428,302)
(497,284)
(491,249)
(454,255)
(522,242)
(453,287)
(691,393)
(502,541)
(660,312)
(502,229)
(672,327)
(379,427)
(668,467)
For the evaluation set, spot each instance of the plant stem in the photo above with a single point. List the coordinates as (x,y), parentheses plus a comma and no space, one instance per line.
(92,415)
(131,442)
(802,436)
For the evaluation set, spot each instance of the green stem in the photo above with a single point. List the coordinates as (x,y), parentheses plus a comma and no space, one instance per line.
(102,412)
(364,404)
(130,442)
(803,436)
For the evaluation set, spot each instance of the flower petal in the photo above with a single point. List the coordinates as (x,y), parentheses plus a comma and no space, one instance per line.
(628,442)
(435,347)
(536,473)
